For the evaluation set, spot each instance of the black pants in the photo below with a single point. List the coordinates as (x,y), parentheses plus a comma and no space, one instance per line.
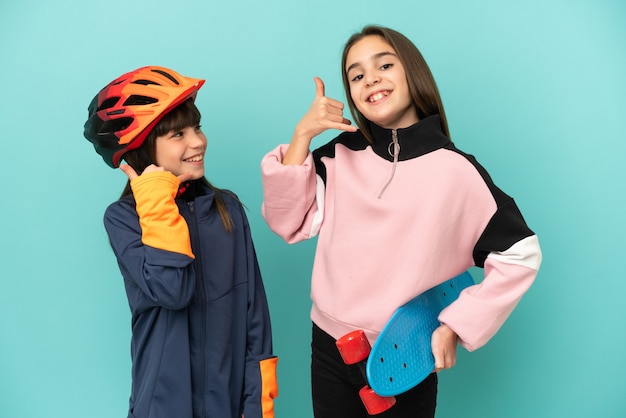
(335,387)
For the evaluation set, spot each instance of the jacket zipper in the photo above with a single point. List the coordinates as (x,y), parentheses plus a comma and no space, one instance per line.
(200,289)
(394,153)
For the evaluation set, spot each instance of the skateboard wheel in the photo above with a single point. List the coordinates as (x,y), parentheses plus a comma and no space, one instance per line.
(374,403)
(354,347)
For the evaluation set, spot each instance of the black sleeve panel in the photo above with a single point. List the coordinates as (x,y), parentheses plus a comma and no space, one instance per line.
(506,227)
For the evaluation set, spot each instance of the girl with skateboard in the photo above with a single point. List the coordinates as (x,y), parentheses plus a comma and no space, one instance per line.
(397,209)
(201,337)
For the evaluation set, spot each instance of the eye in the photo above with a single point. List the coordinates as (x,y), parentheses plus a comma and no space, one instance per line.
(356,78)
(386,66)
(176,134)
(198,128)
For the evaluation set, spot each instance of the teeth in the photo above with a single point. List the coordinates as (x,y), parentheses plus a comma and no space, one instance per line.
(378,96)
(195,159)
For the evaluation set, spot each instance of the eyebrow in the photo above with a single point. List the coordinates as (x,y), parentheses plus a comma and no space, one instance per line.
(374,57)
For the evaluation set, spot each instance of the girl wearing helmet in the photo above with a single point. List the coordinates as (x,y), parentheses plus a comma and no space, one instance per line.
(201,336)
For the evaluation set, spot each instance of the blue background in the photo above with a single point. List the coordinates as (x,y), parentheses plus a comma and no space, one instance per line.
(534,89)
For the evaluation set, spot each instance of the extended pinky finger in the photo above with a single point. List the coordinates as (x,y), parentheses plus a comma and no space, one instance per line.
(345,125)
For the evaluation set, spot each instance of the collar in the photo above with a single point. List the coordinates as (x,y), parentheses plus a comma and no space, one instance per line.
(421,138)
(189,190)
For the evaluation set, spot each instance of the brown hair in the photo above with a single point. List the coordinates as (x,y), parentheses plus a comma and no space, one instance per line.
(422,86)
(182,116)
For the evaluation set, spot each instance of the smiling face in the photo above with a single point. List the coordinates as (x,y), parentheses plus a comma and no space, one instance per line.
(378,83)
(182,151)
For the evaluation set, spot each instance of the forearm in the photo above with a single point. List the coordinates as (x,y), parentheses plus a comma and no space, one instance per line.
(162,225)
(482,309)
(298,149)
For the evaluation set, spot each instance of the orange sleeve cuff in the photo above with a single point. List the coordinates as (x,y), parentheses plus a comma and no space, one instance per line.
(269,390)
(162,225)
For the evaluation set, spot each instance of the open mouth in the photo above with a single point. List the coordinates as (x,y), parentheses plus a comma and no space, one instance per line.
(378,96)
(194,159)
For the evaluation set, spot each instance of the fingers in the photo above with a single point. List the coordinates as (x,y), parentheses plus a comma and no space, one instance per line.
(325,113)
(335,120)
(334,106)
(442,362)
(444,344)
(132,174)
(329,111)
(440,359)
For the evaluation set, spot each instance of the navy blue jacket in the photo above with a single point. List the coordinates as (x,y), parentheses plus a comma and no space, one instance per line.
(200,327)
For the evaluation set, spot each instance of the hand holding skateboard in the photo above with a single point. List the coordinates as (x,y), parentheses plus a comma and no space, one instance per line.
(402,355)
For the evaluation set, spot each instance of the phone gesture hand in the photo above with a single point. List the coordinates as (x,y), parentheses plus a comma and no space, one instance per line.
(324,113)
(132,174)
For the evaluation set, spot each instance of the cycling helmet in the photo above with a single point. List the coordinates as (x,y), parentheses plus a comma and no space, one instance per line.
(123,113)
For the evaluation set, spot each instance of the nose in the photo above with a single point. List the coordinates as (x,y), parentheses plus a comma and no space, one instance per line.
(371,79)
(197,139)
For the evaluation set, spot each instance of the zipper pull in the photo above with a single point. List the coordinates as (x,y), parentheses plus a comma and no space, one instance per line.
(395,144)
(396,152)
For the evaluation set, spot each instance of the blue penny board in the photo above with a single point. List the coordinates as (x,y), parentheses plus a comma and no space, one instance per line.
(402,355)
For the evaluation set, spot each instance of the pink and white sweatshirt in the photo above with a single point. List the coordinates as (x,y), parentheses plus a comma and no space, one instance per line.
(389,230)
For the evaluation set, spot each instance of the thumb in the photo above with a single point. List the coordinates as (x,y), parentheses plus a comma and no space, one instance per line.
(184,177)
(129,171)
(319,87)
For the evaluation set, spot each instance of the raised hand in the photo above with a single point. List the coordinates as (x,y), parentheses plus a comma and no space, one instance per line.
(132,174)
(324,113)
